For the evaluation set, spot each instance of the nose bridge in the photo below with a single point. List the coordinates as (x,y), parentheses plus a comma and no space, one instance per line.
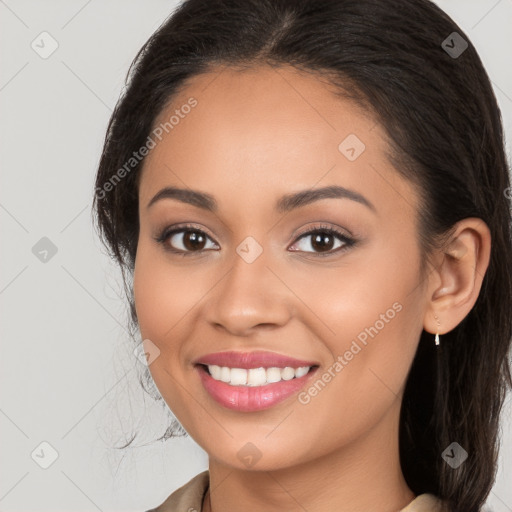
(249,294)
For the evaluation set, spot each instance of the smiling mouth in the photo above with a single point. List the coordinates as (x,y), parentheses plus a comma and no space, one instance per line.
(254,377)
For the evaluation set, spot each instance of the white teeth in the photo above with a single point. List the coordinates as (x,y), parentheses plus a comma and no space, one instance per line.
(273,375)
(300,372)
(216,372)
(255,376)
(238,377)
(225,374)
(288,373)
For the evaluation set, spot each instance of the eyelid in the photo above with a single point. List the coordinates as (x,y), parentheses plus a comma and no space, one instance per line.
(323,227)
(166,232)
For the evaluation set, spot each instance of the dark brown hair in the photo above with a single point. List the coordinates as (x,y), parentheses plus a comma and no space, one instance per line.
(398,60)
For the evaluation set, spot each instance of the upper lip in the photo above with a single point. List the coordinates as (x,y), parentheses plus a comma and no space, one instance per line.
(254,359)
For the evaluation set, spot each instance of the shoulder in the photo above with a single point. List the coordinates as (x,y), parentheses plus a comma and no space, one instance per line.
(188,497)
(424,503)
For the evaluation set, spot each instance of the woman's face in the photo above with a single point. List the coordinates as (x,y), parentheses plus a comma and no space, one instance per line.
(245,277)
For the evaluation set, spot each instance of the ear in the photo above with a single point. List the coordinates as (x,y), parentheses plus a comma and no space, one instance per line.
(456,280)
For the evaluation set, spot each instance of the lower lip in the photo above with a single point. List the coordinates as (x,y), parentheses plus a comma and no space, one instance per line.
(251,398)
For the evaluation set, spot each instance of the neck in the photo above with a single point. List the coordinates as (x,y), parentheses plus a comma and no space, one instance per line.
(361,476)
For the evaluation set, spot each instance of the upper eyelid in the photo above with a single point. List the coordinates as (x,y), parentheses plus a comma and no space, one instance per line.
(168,231)
(312,229)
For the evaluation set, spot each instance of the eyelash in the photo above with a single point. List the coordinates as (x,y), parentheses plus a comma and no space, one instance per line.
(167,232)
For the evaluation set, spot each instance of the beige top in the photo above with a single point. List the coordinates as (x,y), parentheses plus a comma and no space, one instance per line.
(189,498)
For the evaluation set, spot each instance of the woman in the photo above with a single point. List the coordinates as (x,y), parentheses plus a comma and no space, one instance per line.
(310,203)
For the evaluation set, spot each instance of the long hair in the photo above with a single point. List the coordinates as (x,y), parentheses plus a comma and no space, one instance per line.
(401,61)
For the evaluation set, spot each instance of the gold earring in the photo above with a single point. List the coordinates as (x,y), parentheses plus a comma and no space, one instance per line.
(436,339)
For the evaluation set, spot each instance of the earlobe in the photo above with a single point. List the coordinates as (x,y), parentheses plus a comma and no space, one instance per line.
(459,276)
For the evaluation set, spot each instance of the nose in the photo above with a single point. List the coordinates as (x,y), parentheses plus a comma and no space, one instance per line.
(248,298)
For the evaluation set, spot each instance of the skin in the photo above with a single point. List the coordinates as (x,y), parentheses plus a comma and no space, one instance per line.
(253,137)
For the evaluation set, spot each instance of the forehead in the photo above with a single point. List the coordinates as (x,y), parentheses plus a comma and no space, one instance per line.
(259,133)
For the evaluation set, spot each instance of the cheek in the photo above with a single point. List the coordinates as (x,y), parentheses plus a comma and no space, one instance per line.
(163,293)
(350,298)
(372,308)
(163,296)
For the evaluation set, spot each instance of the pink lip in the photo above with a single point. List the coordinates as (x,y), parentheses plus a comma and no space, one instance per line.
(249,398)
(256,359)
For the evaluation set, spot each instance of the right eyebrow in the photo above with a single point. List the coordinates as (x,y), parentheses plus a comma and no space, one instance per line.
(193,197)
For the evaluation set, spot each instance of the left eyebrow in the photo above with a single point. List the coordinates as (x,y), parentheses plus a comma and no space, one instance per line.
(285,204)
(305,197)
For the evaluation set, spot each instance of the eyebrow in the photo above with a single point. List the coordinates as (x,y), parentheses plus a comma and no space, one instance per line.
(285,204)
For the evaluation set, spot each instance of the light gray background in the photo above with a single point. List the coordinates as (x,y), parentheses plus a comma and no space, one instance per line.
(68,375)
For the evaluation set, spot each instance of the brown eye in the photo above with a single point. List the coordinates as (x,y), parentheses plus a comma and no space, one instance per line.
(323,241)
(193,240)
(185,240)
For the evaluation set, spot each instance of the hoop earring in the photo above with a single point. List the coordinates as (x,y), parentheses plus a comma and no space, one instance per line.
(436,339)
